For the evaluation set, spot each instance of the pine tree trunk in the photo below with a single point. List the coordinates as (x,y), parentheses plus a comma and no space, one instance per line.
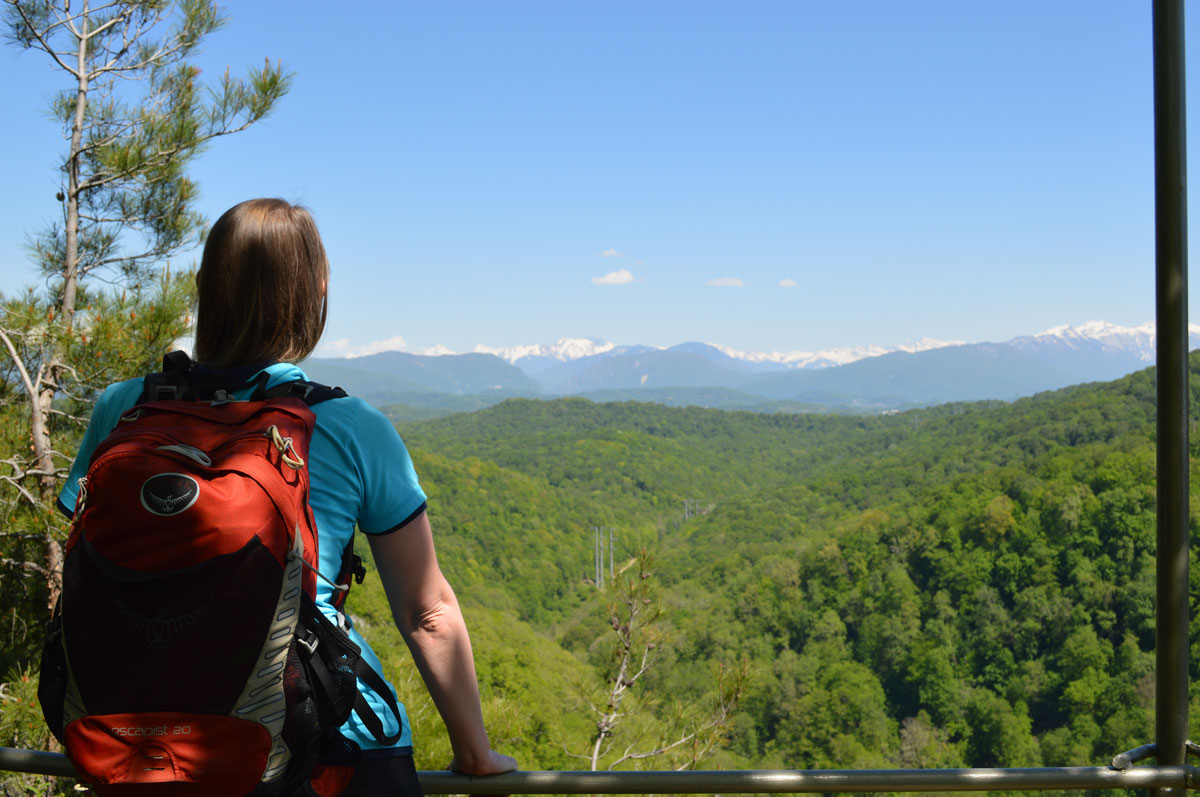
(47,484)
(71,256)
(61,328)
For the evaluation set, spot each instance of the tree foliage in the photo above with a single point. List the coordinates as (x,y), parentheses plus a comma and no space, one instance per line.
(107,305)
(967,585)
(631,727)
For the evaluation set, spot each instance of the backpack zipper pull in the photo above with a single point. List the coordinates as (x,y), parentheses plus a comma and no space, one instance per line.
(284,444)
(81,499)
(320,575)
(191,452)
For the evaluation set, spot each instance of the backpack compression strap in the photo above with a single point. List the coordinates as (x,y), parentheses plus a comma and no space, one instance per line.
(363,709)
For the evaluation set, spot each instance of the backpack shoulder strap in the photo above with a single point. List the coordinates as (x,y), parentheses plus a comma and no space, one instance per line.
(171,382)
(309,392)
(178,381)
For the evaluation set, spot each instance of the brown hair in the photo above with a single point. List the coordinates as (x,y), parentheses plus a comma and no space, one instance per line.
(261,284)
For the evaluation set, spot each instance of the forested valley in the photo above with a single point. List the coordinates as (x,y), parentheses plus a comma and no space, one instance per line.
(968,585)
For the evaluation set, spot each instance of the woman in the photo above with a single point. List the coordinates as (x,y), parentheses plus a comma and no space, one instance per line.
(262,285)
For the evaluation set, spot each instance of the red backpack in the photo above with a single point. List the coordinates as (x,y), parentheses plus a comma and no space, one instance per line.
(186,655)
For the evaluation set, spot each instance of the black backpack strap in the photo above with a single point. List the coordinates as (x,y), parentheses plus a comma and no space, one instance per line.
(171,382)
(352,569)
(54,677)
(309,392)
(364,711)
(176,360)
(205,385)
(326,639)
(180,379)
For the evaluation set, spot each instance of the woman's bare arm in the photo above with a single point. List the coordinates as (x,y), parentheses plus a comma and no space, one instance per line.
(431,622)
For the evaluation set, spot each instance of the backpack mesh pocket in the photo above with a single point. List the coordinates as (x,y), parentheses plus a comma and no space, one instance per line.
(334,666)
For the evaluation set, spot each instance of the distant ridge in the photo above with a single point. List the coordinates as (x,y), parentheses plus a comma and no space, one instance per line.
(538,357)
(400,372)
(870,379)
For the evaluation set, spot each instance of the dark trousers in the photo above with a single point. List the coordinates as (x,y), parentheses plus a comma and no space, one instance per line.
(390,776)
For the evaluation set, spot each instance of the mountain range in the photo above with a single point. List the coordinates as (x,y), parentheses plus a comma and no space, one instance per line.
(864,379)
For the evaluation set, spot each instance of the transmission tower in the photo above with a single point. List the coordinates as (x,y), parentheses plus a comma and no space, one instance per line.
(600,544)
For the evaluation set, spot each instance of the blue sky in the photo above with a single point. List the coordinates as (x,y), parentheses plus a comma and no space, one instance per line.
(959,170)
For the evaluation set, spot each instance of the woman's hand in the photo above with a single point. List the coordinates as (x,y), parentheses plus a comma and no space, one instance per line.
(492,764)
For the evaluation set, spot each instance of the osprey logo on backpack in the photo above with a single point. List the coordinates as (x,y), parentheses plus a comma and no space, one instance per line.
(198,613)
(169,494)
(161,630)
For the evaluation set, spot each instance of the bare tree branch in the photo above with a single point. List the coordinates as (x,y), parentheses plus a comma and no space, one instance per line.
(91,34)
(23,492)
(42,37)
(12,352)
(29,567)
(74,418)
(21,535)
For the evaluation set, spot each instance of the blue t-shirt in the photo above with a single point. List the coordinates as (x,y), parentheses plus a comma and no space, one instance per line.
(360,474)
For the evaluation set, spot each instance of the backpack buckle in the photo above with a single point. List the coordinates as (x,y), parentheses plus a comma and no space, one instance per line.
(165,392)
(311,647)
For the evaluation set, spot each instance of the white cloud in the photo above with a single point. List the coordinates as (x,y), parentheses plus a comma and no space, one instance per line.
(342,347)
(333,348)
(787,283)
(621,277)
(726,282)
(437,350)
(612,253)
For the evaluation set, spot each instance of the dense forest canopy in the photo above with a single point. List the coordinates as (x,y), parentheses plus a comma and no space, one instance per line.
(967,585)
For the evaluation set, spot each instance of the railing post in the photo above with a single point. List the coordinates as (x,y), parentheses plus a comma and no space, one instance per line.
(1170,177)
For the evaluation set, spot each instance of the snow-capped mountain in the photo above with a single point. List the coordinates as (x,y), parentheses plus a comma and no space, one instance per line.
(565,349)
(1139,340)
(917,373)
(540,356)
(1132,342)
(826,358)
(1096,349)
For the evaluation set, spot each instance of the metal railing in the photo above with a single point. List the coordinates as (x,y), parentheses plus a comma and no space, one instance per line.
(746,781)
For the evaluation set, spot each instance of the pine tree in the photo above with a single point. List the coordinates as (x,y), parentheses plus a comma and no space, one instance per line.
(134,114)
(680,736)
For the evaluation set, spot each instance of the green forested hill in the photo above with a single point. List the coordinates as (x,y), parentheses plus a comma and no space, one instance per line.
(971,584)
